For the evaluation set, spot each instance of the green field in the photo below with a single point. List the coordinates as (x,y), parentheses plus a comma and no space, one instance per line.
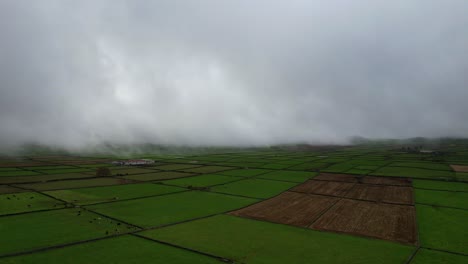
(112,193)
(123,249)
(256,188)
(442,198)
(293,176)
(26,202)
(201,181)
(251,241)
(173,208)
(443,228)
(45,229)
(180,209)
(426,256)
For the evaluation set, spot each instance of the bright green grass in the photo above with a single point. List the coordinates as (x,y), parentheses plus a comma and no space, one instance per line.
(176,166)
(18,173)
(368,163)
(130,171)
(461,176)
(44,229)
(172,208)
(256,188)
(202,180)
(276,166)
(294,176)
(42,178)
(164,175)
(422,165)
(340,167)
(366,167)
(310,166)
(122,249)
(63,171)
(427,256)
(414,173)
(52,167)
(443,228)
(25,202)
(68,184)
(442,198)
(92,166)
(250,241)
(441,185)
(244,172)
(112,193)
(9,169)
(208,169)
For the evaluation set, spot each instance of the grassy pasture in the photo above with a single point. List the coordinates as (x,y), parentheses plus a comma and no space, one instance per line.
(26,202)
(441,185)
(442,198)
(42,178)
(256,188)
(427,256)
(172,208)
(66,184)
(64,171)
(122,249)
(18,173)
(170,167)
(201,181)
(207,169)
(27,232)
(276,166)
(163,175)
(250,241)
(422,165)
(112,193)
(244,172)
(294,176)
(443,228)
(414,173)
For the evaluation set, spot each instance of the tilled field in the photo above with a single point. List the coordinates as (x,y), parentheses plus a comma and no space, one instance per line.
(338,203)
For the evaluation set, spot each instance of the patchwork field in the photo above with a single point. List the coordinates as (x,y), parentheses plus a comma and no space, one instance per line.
(355,204)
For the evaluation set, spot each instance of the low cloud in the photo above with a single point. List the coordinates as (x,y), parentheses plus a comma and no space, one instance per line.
(210,72)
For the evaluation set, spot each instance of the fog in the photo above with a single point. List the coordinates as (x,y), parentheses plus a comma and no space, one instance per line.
(210,72)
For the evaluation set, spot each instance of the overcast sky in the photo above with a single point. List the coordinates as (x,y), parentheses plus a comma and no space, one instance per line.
(219,72)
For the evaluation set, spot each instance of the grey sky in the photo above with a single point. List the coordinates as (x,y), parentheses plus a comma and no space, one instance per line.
(76,73)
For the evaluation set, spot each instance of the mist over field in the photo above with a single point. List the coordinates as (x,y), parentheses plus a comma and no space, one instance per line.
(210,72)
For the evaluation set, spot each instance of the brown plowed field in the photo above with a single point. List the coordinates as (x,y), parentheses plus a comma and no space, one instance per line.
(324,187)
(382,193)
(337,177)
(289,208)
(387,181)
(459,168)
(384,221)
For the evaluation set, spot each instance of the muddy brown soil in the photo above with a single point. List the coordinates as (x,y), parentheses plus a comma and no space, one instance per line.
(459,168)
(387,181)
(384,221)
(290,208)
(324,187)
(382,193)
(337,177)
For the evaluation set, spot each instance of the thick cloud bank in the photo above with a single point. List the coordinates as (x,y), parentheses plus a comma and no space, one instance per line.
(212,72)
